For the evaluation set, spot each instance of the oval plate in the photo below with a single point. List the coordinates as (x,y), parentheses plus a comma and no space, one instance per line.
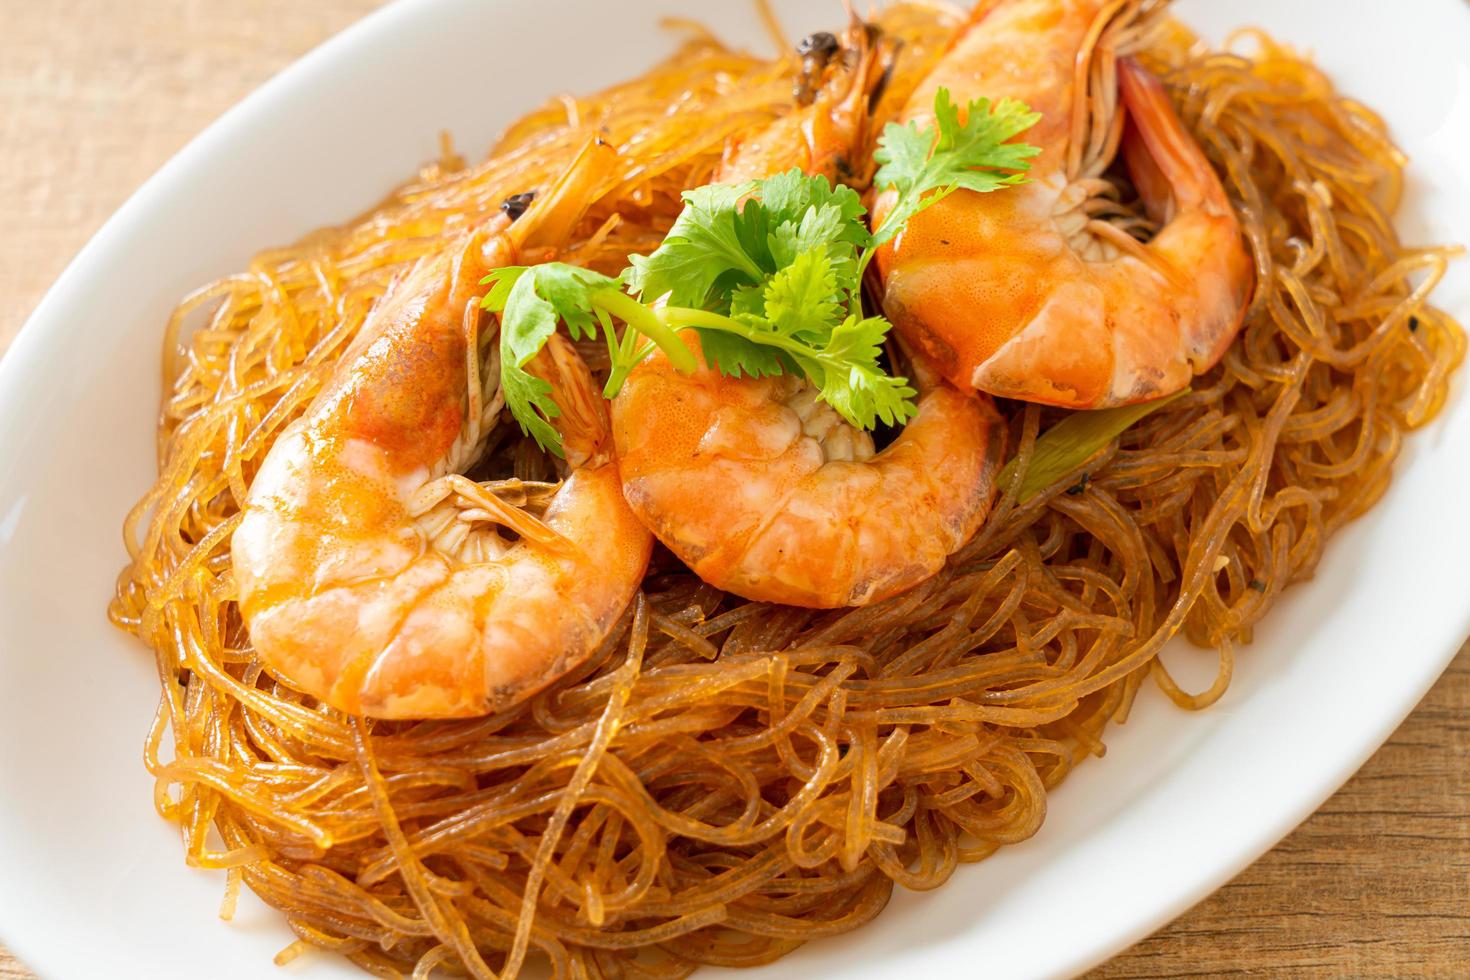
(94,881)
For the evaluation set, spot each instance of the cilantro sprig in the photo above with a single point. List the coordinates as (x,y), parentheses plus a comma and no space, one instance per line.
(768,273)
(926,165)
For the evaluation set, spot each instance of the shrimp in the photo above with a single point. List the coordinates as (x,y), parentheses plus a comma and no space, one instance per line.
(833,91)
(371,574)
(765,491)
(1043,292)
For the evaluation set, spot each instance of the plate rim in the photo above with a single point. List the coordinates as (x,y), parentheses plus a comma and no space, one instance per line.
(20,360)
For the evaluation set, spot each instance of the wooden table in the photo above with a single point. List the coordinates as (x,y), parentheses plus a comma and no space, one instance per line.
(96,94)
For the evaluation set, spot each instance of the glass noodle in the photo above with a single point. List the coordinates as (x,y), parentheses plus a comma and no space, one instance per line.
(726,780)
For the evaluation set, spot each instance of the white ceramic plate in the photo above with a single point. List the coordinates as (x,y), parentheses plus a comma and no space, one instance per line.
(92,882)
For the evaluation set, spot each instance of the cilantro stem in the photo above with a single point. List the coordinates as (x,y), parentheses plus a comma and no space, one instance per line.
(609,335)
(789,252)
(647,322)
(862,268)
(683,317)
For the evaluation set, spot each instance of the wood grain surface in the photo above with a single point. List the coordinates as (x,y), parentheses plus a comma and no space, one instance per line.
(96,94)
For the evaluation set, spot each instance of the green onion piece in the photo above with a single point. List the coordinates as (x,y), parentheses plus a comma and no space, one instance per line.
(1074,440)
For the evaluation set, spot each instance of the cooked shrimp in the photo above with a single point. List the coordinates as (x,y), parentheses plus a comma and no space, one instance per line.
(1043,293)
(837,80)
(767,492)
(372,575)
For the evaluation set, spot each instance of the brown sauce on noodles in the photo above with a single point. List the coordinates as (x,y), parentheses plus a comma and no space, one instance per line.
(727,780)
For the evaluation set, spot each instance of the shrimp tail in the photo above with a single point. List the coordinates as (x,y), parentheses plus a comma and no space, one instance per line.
(1166,164)
(584,425)
(881,53)
(835,91)
(557,210)
(1181,191)
(863,54)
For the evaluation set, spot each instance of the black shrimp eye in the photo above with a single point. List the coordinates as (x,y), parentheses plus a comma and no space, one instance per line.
(817,43)
(516,205)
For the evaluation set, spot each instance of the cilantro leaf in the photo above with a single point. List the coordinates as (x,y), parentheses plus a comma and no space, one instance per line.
(863,393)
(858,341)
(531,301)
(768,272)
(980,146)
(790,196)
(529,400)
(796,323)
(799,303)
(801,299)
(704,244)
(733,235)
(975,155)
(735,356)
(748,302)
